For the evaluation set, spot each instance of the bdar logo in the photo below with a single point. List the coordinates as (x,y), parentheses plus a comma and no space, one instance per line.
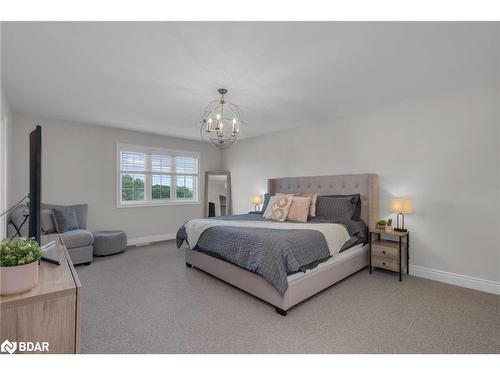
(9,347)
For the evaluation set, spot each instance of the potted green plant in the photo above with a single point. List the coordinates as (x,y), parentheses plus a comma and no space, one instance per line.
(381,224)
(19,265)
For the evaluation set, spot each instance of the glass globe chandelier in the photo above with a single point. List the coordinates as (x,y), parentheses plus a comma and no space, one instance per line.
(221,122)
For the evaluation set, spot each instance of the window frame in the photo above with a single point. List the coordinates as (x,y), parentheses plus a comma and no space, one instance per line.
(148,201)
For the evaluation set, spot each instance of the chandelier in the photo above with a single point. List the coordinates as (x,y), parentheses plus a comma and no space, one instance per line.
(221,122)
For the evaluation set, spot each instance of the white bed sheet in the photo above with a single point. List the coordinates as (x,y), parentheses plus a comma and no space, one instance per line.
(343,255)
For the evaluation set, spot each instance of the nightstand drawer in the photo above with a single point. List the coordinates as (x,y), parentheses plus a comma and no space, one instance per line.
(388,264)
(381,250)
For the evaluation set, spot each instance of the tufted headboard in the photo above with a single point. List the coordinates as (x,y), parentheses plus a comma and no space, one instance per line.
(365,184)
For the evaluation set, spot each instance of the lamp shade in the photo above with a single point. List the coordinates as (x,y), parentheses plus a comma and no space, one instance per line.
(257,199)
(401,205)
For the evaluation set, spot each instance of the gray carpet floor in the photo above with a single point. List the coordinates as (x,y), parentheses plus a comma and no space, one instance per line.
(146,301)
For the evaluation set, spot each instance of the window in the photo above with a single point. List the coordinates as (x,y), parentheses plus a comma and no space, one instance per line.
(151,176)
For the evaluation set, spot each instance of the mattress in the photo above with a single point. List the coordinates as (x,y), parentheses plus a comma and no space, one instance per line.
(330,262)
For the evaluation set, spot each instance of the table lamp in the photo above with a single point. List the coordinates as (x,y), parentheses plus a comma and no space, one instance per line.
(401,206)
(257,200)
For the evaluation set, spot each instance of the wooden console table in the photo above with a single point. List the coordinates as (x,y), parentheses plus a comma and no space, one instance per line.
(50,312)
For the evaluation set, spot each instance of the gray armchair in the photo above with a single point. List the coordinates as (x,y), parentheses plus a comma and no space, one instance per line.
(78,241)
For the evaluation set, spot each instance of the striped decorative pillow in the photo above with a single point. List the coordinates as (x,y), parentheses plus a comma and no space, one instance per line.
(340,206)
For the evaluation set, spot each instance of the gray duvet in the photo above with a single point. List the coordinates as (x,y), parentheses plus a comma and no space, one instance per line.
(271,253)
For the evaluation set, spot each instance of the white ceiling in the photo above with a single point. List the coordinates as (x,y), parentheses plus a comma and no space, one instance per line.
(158,76)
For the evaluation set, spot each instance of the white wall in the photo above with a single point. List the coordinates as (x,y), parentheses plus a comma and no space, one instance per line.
(5,161)
(5,141)
(441,151)
(79,166)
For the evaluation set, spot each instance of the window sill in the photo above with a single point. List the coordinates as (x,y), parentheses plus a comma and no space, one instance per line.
(156,204)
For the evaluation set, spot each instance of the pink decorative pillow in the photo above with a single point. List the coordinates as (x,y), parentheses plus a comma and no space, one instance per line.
(299,210)
(314,198)
(312,209)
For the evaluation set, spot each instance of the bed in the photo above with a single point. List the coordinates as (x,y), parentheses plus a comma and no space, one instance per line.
(300,285)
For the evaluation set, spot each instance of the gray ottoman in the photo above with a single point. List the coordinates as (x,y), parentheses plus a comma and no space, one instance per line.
(109,242)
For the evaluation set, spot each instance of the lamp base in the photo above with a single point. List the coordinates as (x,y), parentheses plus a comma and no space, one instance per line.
(399,230)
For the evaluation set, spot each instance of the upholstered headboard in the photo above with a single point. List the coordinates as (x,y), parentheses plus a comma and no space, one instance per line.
(364,184)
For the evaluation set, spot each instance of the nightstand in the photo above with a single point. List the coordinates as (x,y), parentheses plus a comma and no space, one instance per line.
(388,253)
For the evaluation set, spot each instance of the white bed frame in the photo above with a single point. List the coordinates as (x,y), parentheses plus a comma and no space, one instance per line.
(313,282)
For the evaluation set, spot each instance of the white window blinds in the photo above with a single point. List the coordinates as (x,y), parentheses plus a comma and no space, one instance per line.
(154,176)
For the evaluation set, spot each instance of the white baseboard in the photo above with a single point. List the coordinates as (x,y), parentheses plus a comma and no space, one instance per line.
(455,279)
(150,239)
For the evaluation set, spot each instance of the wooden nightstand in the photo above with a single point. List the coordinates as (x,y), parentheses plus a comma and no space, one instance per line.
(388,254)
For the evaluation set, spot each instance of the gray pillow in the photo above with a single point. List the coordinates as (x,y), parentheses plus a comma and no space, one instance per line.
(65,219)
(47,222)
(354,227)
(356,201)
(338,206)
(18,216)
(267,198)
(81,211)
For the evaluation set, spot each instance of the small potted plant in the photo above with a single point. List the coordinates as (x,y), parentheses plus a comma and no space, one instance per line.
(19,265)
(381,224)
